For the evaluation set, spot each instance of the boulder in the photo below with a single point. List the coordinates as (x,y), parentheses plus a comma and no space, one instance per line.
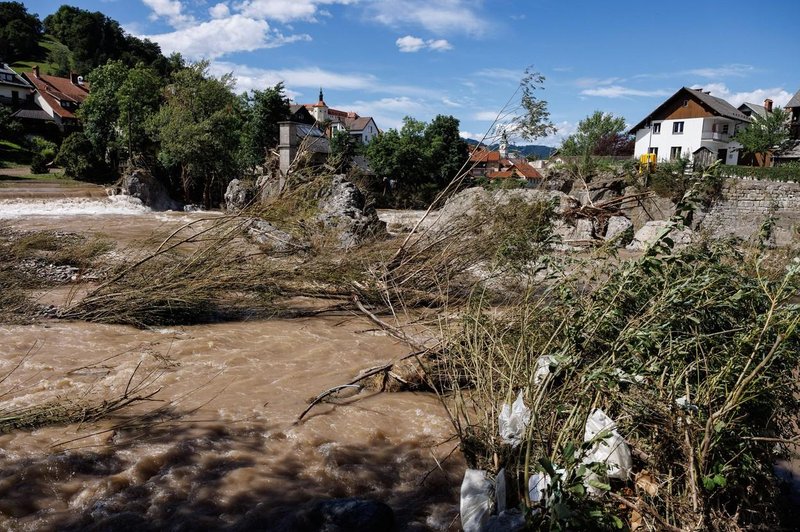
(270,237)
(343,208)
(239,195)
(619,229)
(141,184)
(681,235)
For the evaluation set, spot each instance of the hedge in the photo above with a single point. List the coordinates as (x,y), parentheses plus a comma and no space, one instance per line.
(784,172)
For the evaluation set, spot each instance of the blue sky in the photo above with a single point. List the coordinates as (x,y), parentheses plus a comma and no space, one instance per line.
(391,58)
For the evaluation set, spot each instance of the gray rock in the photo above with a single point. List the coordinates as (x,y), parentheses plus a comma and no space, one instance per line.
(141,184)
(619,229)
(267,235)
(239,195)
(343,207)
(645,237)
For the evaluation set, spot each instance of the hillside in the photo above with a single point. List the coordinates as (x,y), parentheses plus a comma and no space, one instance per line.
(52,58)
(536,151)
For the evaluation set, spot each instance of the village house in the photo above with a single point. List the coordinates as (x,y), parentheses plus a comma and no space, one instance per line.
(14,90)
(362,128)
(790,153)
(499,164)
(692,124)
(57,98)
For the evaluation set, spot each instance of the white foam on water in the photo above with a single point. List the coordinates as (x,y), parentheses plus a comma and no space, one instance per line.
(113,205)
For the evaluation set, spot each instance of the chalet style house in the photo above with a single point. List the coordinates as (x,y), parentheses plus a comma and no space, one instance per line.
(42,102)
(695,125)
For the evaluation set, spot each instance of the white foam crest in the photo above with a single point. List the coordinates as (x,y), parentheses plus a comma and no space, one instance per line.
(113,205)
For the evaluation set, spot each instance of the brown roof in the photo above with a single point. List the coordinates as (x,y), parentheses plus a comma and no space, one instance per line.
(357,124)
(500,174)
(54,90)
(718,106)
(526,170)
(484,156)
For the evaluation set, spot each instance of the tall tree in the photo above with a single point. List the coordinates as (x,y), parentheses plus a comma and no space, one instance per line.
(263,110)
(198,128)
(100,110)
(19,32)
(344,148)
(598,134)
(138,99)
(764,134)
(447,151)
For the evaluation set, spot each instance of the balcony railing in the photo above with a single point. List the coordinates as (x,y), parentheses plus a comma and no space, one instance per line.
(715,135)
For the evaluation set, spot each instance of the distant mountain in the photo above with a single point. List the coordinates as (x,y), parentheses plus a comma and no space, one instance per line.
(525,150)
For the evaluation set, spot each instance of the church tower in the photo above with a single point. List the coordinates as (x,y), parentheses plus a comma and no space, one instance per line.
(320,109)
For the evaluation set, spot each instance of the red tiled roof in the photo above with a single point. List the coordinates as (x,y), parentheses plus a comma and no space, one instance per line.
(526,170)
(500,174)
(484,156)
(54,90)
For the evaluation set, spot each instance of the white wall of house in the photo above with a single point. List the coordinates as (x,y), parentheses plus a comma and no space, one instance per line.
(41,102)
(7,92)
(369,132)
(697,133)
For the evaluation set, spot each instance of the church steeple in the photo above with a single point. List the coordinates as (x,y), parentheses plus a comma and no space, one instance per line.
(320,94)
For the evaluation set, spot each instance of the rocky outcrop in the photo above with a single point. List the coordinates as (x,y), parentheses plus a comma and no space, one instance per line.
(680,235)
(619,229)
(344,209)
(271,238)
(239,195)
(142,185)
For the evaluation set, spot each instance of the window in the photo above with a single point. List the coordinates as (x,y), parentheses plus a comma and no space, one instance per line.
(674,153)
(725,129)
(686,103)
(656,128)
(677,128)
(654,151)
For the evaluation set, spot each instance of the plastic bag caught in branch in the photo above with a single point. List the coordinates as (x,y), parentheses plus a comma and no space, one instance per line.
(513,421)
(611,450)
(476,500)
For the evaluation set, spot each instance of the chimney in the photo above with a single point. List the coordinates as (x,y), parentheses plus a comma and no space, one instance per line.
(36,71)
(768,105)
(73,77)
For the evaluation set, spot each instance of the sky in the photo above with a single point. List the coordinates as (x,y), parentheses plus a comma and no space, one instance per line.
(394,58)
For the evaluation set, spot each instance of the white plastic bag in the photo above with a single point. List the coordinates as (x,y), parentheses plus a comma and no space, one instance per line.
(543,364)
(476,500)
(612,450)
(513,421)
(537,486)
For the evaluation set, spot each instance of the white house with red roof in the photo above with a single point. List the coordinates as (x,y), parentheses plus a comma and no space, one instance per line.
(14,90)
(362,128)
(58,97)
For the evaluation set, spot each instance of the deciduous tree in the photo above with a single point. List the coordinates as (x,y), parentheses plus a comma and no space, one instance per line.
(598,134)
(765,133)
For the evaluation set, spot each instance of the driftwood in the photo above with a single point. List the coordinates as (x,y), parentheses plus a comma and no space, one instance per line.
(355,382)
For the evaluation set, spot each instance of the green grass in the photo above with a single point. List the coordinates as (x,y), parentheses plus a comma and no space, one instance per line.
(47,44)
(12,154)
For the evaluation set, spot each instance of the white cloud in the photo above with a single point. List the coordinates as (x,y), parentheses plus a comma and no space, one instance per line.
(219,11)
(287,10)
(399,104)
(733,70)
(410,44)
(487,116)
(249,78)
(563,130)
(450,103)
(618,91)
(778,95)
(594,82)
(218,37)
(437,16)
(172,10)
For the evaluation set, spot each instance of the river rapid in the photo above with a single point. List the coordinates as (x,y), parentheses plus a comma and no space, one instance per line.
(216,446)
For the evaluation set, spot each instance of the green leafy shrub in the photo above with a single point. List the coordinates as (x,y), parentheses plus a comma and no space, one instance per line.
(783,172)
(79,159)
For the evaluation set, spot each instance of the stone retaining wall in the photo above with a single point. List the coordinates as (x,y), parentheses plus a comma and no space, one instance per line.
(744,204)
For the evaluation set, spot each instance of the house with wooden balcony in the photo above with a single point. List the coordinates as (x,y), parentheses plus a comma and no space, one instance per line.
(691,124)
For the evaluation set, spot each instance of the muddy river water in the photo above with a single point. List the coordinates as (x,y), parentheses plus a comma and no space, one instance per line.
(217,445)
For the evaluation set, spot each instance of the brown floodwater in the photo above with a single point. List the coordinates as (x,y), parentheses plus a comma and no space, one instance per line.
(217,446)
